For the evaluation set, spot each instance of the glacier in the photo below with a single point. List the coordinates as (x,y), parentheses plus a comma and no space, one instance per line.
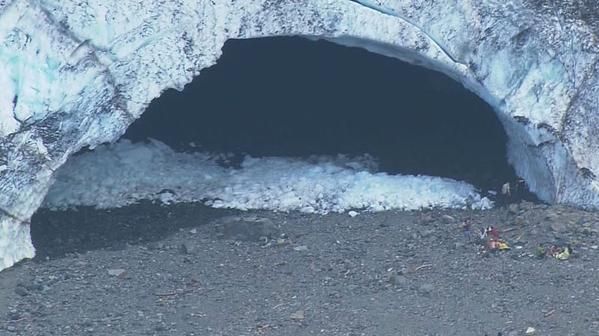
(76,73)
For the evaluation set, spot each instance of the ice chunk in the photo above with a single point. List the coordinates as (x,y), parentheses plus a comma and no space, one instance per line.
(124,173)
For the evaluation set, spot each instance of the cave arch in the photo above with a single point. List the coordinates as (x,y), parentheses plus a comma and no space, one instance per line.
(290,96)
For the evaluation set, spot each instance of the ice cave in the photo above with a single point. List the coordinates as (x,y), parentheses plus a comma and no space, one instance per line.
(305,102)
(299,167)
(77,75)
(295,97)
(313,103)
(299,100)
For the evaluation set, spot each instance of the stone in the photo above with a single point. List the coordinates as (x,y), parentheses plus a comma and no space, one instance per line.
(426,233)
(185,248)
(448,219)
(247,228)
(558,227)
(397,280)
(21,291)
(299,315)
(530,331)
(14,315)
(117,272)
(83,87)
(426,289)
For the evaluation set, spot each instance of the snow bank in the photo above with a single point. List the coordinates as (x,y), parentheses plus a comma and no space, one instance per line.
(124,173)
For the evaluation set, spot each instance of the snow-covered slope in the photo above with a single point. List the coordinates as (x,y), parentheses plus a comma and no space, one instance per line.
(76,73)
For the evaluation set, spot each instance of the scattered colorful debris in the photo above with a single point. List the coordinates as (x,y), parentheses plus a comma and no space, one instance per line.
(490,231)
(540,251)
(497,244)
(490,238)
(555,251)
(482,234)
(560,253)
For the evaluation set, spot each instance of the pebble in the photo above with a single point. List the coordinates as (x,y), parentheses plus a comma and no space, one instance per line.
(530,331)
(513,208)
(427,219)
(398,280)
(301,248)
(426,233)
(247,228)
(559,227)
(117,272)
(32,286)
(426,289)
(448,218)
(157,246)
(298,315)
(185,248)
(14,315)
(21,291)
(352,213)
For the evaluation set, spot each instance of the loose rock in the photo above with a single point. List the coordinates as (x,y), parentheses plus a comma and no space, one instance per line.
(117,272)
(426,289)
(21,291)
(298,315)
(558,227)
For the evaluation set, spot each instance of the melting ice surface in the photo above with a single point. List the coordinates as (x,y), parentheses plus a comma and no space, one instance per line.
(124,173)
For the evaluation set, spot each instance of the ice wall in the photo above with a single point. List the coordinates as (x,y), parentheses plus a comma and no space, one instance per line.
(76,73)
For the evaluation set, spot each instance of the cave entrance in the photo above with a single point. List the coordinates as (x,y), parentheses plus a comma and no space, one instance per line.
(295,97)
(289,97)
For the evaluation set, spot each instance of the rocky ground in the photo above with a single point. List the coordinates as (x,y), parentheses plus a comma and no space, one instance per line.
(191,270)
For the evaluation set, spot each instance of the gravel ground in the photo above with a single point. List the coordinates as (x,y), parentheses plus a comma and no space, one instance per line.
(190,270)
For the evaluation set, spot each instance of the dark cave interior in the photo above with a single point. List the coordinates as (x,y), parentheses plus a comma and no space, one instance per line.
(296,97)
